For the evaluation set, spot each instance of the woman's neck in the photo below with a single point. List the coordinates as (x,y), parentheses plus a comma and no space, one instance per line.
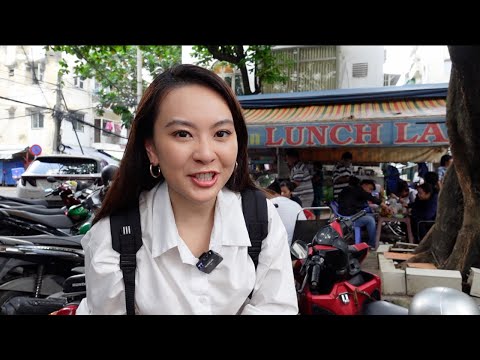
(194,222)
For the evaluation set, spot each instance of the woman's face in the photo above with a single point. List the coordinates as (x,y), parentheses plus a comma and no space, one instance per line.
(195,144)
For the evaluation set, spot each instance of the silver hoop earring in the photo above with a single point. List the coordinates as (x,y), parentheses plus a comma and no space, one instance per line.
(236,165)
(159,172)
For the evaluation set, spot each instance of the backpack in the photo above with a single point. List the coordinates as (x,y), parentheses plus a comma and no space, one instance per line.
(126,234)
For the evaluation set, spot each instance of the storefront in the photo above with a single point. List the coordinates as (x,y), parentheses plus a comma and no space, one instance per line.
(378,125)
(406,124)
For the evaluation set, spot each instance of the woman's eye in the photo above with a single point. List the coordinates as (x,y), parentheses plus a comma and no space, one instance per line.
(181,133)
(222,133)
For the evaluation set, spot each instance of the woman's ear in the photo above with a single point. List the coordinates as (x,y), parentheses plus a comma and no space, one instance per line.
(150,149)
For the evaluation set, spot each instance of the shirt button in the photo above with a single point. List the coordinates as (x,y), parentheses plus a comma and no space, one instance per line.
(203,299)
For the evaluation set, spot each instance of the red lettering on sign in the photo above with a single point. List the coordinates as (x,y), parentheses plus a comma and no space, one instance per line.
(374,133)
(402,134)
(289,134)
(319,132)
(270,137)
(432,130)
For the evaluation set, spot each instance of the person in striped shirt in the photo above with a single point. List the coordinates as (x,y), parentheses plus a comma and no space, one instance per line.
(300,174)
(341,173)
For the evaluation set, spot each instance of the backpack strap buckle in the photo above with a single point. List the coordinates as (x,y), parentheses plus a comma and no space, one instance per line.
(128,261)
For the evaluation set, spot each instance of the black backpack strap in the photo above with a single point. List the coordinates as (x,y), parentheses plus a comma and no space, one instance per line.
(255,212)
(126,233)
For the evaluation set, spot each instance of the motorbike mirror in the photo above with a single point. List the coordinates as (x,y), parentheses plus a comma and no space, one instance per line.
(299,249)
(51,179)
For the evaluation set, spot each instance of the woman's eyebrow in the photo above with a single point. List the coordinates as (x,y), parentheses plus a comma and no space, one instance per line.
(222,122)
(192,125)
(181,123)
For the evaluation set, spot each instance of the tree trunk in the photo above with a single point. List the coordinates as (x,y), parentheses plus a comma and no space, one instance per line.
(453,243)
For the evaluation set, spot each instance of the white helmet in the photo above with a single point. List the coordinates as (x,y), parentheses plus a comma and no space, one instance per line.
(442,301)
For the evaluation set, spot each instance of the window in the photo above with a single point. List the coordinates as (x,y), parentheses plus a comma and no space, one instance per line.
(307,68)
(107,127)
(390,79)
(52,165)
(78,125)
(37,71)
(78,81)
(37,120)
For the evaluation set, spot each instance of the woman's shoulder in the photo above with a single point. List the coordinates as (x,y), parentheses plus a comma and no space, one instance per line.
(98,235)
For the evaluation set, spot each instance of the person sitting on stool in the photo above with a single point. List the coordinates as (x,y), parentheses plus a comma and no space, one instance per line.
(354,198)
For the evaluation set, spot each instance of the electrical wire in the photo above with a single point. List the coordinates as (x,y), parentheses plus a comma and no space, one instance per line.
(35,79)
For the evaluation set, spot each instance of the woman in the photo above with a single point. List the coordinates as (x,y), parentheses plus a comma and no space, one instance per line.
(185,164)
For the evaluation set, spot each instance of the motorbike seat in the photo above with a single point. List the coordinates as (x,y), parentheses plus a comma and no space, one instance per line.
(73,241)
(24,201)
(54,221)
(35,209)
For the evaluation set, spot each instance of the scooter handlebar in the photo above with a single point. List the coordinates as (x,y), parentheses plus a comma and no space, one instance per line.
(315,275)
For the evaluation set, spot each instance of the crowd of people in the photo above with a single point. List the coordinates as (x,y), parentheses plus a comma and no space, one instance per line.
(350,194)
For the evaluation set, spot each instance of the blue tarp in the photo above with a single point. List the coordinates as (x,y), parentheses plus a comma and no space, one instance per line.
(339,96)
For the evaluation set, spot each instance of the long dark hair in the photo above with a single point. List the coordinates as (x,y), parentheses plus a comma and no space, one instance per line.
(133,176)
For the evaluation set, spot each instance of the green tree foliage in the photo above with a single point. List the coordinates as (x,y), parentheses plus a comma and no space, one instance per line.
(259,58)
(114,67)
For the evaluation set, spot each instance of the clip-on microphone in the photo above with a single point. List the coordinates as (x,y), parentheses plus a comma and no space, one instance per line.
(208,261)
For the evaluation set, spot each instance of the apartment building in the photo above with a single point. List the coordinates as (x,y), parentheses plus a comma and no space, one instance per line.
(30,93)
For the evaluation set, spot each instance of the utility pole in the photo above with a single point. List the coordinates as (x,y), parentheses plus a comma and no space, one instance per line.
(58,116)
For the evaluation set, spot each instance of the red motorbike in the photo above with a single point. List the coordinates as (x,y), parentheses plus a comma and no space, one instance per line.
(328,275)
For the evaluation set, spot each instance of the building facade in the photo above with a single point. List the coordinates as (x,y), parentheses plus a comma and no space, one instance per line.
(30,93)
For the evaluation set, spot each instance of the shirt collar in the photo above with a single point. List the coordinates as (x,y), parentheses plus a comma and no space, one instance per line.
(229,227)
(163,233)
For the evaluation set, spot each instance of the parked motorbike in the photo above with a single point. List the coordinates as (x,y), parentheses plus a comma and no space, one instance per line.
(33,221)
(35,267)
(35,270)
(329,280)
(64,302)
(328,275)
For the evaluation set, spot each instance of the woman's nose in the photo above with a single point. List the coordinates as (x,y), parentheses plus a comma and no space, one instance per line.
(204,151)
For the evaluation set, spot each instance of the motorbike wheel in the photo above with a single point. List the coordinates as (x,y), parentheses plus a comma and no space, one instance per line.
(6,295)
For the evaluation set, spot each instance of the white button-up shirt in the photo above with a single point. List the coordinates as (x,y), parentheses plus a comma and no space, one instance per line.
(167,280)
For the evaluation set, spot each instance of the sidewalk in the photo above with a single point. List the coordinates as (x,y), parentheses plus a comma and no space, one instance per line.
(370,264)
